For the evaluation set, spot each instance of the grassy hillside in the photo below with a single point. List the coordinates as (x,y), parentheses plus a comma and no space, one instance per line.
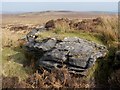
(13,58)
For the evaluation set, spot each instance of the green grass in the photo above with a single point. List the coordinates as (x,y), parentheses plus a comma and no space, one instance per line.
(12,64)
(13,58)
(62,35)
(105,33)
(91,71)
(103,71)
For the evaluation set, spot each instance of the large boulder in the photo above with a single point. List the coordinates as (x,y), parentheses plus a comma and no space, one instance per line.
(74,53)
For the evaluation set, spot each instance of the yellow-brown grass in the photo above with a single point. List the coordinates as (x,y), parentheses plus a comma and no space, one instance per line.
(106,33)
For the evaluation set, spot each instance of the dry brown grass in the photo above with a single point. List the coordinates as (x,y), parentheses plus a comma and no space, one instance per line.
(40,18)
(109,29)
(57,78)
(11,38)
(12,60)
(60,78)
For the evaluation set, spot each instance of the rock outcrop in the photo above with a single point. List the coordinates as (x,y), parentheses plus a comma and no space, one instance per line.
(74,53)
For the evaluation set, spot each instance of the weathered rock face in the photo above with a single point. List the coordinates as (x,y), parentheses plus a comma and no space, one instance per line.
(72,52)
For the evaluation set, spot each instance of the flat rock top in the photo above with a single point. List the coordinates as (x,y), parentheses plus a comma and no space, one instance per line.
(75,53)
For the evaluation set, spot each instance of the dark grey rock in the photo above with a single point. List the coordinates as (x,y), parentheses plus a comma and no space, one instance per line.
(32,35)
(74,53)
(117,55)
(46,44)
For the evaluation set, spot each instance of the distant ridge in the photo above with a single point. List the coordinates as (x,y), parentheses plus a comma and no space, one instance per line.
(60,11)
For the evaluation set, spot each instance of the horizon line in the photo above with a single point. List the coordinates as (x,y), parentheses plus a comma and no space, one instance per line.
(19,12)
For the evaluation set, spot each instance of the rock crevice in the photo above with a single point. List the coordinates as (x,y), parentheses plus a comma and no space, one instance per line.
(75,53)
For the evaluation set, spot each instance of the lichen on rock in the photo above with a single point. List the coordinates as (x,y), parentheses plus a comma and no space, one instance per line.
(74,53)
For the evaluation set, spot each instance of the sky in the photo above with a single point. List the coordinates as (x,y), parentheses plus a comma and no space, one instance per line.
(60,0)
(15,7)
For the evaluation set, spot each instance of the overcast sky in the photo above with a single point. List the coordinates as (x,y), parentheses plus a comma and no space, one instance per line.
(14,7)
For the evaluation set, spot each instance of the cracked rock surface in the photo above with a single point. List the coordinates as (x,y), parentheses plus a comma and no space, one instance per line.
(74,53)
